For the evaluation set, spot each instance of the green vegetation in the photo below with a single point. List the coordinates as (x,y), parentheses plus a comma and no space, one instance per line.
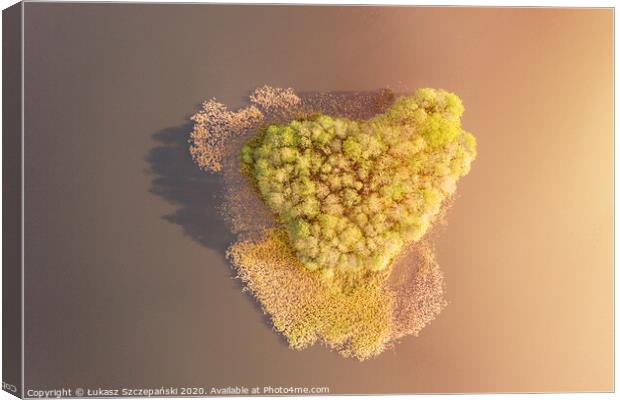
(351,194)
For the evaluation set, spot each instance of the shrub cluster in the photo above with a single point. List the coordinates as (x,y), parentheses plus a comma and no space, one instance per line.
(352,193)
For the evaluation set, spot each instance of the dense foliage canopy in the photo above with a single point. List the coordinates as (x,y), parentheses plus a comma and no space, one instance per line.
(352,193)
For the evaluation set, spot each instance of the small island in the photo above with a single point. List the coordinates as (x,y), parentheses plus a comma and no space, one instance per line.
(348,197)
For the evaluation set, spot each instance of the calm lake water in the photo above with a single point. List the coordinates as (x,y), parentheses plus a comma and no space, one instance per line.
(127,283)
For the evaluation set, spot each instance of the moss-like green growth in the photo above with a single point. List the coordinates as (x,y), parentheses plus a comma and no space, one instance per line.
(351,193)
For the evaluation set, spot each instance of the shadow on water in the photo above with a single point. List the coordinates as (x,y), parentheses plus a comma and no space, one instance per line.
(196,194)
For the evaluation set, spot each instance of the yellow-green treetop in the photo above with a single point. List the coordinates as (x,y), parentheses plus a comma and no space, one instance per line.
(351,194)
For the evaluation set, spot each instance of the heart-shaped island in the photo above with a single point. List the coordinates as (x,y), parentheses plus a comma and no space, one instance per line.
(350,180)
